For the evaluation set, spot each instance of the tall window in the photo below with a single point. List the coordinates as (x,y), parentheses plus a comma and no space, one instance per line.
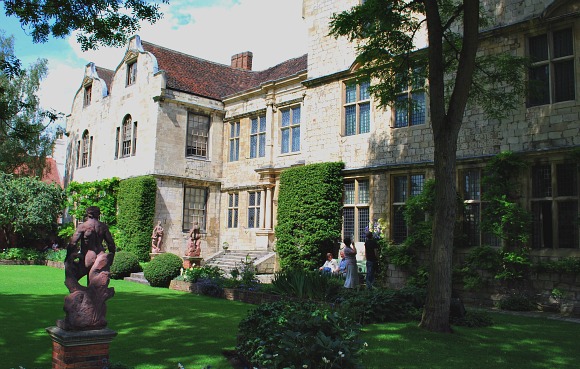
(194,207)
(357,108)
(126,137)
(404,187)
(85,147)
(197,135)
(233,201)
(258,137)
(471,189)
(131,73)
(254,209)
(290,130)
(355,212)
(234,141)
(88,95)
(410,103)
(551,75)
(554,205)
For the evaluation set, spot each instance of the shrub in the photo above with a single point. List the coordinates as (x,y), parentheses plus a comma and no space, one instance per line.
(160,271)
(380,306)
(55,255)
(204,272)
(302,284)
(21,254)
(210,287)
(516,302)
(124,264)
(297,334)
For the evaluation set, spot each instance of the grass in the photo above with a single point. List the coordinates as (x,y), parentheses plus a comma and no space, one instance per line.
(158,328)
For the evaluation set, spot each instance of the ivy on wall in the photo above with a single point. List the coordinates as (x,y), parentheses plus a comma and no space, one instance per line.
(103,193)
(136,201)
(309,214)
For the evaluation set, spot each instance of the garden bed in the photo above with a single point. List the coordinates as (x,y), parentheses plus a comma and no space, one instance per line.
(233,294)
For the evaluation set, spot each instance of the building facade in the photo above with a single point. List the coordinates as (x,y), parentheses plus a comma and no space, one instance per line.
(217,137)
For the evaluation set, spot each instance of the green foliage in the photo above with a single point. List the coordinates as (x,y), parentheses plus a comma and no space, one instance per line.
(481,262)
(25,138)
(302,284)
(29,207)
(203,272)
(124,264)
(22,254)
(96,23)
(101,193)
(516,301)
(515,265)
(379,305)
(473,319)
(55,255)
(162,269)
(136,200)
(299,334)
(245,273)
(565,265)
(309,214)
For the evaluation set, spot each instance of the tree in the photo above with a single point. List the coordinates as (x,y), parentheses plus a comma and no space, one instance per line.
(24,140)
(385,32)
(29,206)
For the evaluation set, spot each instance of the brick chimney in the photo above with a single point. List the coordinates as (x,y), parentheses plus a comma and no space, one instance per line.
(242,60)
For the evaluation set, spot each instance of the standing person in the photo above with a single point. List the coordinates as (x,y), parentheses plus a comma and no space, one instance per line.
(330,266)
(371,252)
(351,267)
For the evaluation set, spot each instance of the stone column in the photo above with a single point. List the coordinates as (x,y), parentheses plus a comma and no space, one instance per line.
(80,349)
(268,224)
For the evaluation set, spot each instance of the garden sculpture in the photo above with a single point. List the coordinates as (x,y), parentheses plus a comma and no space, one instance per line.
(85,306)
(157,238)
(194,241)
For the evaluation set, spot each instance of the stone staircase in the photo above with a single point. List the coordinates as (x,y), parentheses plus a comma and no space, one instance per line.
(137,277)
(228,260)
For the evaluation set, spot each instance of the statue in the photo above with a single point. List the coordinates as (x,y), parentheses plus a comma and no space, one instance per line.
(85,306)
(157,238)
(194,241)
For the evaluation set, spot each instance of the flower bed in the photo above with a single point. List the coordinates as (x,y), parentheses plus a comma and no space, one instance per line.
(233,294)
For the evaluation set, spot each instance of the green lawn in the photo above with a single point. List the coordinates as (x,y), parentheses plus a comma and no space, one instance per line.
(158,328)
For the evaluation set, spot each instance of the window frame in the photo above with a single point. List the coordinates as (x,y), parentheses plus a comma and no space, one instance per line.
(359,208)
(233,209)
(189,213)
(254,209)
(258,134)
(397,206)
(291,127)
(409,89)
(88,94)
(358,102)
(85,149)
(197,136)
(131,73)
(234,142)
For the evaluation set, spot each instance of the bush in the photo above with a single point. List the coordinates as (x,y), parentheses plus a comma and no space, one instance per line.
(311,285)
(516,302)
(204,272)
(160,271)
(210,287)
(55,255)
(21,254)
(297,334)
(124,264)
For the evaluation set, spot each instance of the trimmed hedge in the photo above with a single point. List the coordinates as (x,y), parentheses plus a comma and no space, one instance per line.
(124,264)
(161,270)
(136,200)
(309,214)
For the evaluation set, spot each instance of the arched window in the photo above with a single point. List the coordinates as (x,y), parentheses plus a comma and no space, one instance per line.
(126,138)
(85,147)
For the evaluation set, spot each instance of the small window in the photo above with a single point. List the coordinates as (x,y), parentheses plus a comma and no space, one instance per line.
(404,187)
(234,141)
(357,108)
(88,95)
(254,200)
(290,130)
(197,135)
(472,189)
(194,207)
(258,137)
(86,148)
(131,73)
(410,105)
(126,137)
(551,76)
(356,212)
(233,202)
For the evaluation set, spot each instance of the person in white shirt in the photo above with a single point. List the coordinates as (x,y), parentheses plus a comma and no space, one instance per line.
(330,266)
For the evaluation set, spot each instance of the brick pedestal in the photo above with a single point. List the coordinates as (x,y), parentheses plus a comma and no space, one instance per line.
(191,261)
(83,349)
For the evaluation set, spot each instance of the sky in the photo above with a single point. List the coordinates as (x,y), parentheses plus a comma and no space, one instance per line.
(273,30)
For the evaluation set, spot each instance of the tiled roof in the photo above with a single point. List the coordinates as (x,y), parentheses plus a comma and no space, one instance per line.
(106,75)
(213,80)
(50,174)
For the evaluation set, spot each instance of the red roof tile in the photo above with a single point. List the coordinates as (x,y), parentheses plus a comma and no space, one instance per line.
(213,80)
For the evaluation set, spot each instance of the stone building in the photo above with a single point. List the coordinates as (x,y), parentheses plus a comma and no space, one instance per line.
(216,137)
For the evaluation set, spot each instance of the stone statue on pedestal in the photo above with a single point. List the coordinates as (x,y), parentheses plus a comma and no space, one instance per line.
(194,241)
(85,305)
(157,238)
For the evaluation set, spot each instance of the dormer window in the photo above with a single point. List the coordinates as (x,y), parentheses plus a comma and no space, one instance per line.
(88,95)
(131,72)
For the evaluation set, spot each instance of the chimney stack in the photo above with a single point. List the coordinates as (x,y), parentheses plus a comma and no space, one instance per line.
(242,60)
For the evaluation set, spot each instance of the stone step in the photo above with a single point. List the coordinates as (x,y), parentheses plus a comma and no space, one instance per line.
(137,277)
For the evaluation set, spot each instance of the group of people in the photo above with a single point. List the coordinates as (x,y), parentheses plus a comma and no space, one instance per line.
(348,268)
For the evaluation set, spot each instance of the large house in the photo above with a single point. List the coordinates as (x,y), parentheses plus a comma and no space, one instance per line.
(216,137)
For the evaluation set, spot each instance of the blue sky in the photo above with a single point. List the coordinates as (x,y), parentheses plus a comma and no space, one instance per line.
(211,29)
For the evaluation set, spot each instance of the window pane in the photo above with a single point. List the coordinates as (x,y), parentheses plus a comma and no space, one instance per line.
(399,225)
(285,118)
(542,224)
(253,146)
(254,128)
(285,140)
(471,185)
(262,152)
(363,222)
(363,192)
(296,115)
(541,181)
(401,112)
(348,222)
(539,85)
(563,43)
(568,224)
(365,117)
(471,224)
(364,90)
(350,120)
(350,93)
(252,199)
(194,207)
(564,80)
(263,124)
(418,108)
(197,135)
(349,193)
(296,139)
(538,48)
(567,179)
(417,182)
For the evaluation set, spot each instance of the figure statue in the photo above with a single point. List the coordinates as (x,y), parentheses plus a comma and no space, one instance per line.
(194,241)
(157,238)
(85,306)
